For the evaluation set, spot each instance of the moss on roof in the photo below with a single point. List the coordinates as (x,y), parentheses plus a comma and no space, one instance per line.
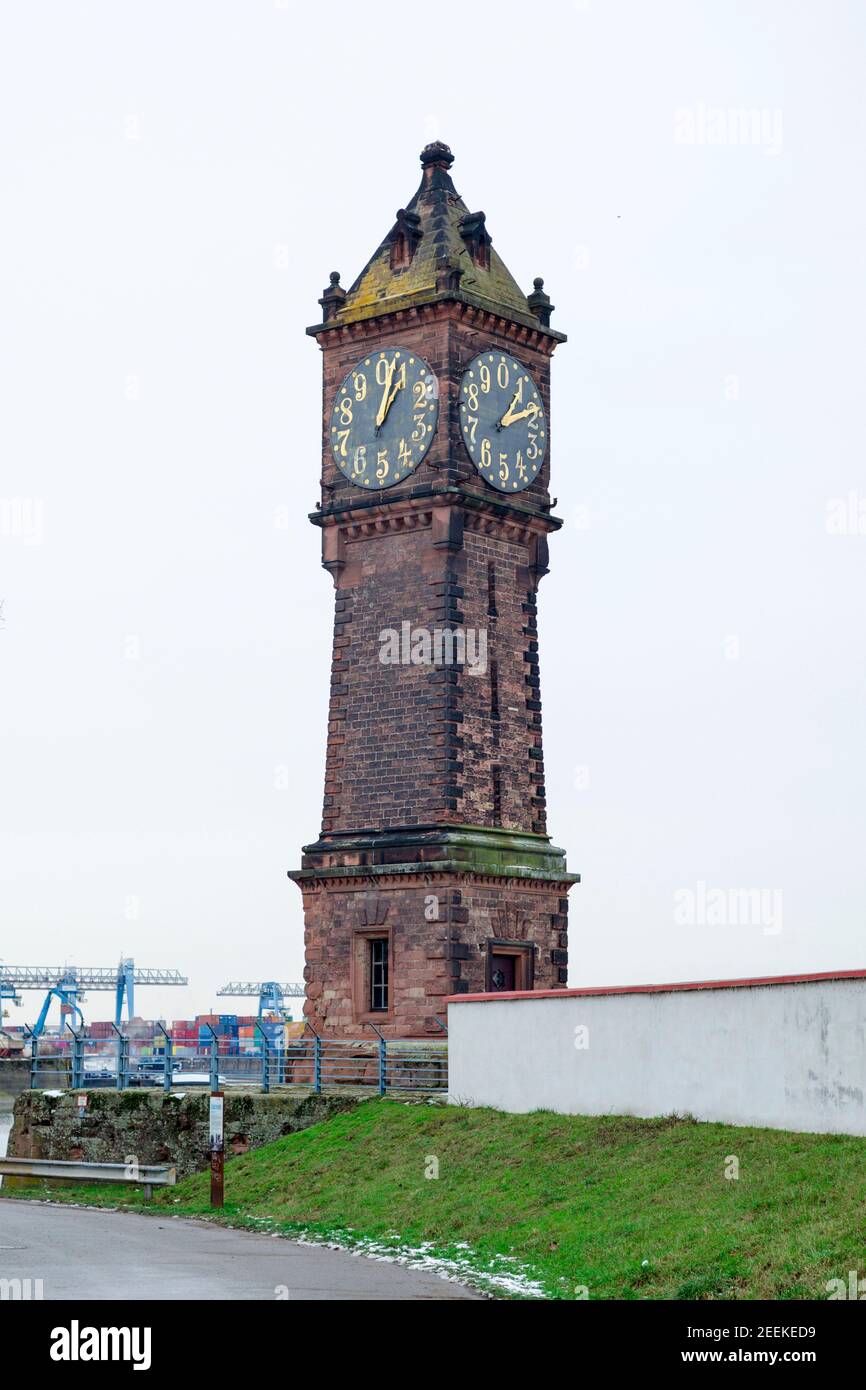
(441,247)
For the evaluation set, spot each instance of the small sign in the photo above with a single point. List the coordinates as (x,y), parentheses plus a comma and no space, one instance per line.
(216,1121)
(216,1129)
(81,1102)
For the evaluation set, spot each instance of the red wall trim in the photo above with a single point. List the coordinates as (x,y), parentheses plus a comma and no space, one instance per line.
(656,989)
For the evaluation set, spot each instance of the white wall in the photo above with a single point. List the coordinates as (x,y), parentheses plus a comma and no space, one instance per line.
(788,1056)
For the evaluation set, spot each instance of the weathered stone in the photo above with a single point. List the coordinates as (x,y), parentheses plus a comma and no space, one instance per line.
(155,1128)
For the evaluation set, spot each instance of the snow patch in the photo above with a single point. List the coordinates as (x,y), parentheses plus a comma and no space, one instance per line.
(497,1274)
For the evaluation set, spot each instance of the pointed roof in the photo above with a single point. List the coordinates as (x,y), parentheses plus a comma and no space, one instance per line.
(436,249)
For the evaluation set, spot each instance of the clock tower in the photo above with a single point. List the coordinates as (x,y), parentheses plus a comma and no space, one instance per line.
(434,873)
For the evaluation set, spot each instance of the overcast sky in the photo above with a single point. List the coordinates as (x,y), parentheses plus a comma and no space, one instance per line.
(178,180)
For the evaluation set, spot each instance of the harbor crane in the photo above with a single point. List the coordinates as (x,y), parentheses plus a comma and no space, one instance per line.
(7,992)
(68,982)
(271,993)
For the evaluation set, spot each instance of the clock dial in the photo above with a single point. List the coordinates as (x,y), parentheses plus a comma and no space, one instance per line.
(502,421)
(384,418)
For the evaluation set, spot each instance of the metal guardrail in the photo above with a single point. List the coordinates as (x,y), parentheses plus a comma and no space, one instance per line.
(380,1065)
(376,1063)
(146,1175)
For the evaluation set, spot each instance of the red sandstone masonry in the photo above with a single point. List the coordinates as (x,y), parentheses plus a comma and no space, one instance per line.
(418,746)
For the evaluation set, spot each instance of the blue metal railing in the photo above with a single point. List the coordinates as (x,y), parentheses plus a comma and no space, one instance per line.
(376,1063)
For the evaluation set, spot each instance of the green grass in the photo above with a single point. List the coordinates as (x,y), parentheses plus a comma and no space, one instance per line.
(627,1208)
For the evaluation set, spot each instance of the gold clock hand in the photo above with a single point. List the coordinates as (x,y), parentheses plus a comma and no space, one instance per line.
(509,417)
(506,419)
(391,400)
(531,409)
(387,400)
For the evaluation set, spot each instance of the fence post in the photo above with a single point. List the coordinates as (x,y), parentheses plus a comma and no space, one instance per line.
(266,1060)
(168,1065)
(383,1059)
(77,1058)
(214,1060)
(122,1059)
(317,1059)
(34,1057)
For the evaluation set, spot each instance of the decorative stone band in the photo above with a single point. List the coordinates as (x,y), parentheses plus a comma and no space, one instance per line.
(465,850)
(426,305)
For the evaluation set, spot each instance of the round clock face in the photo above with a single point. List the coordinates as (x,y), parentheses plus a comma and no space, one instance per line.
(502,421)
(384,418)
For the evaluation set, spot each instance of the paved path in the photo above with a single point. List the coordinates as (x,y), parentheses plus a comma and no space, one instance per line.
(101,1254)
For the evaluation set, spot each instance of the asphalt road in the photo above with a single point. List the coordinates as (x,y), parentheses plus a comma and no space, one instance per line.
(82,1254)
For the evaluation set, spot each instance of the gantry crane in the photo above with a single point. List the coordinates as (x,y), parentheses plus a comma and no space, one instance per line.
(67,983)
(7,991)
(271,993)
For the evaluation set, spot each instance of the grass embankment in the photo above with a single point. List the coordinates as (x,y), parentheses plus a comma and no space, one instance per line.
(625,1208)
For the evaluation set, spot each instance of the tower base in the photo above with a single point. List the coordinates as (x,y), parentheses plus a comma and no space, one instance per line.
(462,910)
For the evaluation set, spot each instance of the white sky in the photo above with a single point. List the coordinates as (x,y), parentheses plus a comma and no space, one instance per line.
(178,180)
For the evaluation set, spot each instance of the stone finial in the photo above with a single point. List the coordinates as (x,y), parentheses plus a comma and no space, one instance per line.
(437,153)
(539,302)
(333,297)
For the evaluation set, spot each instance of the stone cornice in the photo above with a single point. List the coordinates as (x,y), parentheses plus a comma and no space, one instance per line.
(370,511)
(413,876)
(428,305)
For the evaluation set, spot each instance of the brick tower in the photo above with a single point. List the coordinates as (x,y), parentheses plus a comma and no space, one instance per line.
(433,873)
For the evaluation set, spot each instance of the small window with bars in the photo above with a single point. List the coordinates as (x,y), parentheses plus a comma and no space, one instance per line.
(379,974)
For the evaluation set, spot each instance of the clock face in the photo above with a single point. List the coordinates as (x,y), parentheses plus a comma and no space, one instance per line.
(502,421)
(384,418)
